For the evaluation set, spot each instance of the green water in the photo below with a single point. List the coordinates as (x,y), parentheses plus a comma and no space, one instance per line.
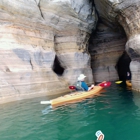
(116,113)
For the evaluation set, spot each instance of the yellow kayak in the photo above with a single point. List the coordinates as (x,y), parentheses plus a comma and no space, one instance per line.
(128,83)
(73,97)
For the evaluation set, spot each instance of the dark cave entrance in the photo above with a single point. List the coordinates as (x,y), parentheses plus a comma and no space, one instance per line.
(102,36)
(122,66)
(57,68)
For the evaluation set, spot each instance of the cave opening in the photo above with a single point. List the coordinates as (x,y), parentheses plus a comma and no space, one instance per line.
(107,50)
(57,68)
(122,66)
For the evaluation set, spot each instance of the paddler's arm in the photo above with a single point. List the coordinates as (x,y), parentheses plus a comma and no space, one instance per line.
(85,86)
(91,87)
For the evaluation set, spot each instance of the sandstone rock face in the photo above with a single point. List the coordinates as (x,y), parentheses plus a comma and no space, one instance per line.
(106,47)
(126,13)
(32,33)
(74,21)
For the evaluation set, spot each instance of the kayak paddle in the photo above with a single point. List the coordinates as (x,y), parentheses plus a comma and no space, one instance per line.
(105,84)
(118,82)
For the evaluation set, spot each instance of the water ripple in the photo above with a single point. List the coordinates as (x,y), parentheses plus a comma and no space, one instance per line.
(115,111)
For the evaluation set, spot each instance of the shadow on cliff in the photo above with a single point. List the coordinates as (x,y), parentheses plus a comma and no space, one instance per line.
(122,66)
(57,68)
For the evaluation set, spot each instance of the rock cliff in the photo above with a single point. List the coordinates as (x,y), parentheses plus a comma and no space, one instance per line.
(125,13)
(32,34)
(38,35)
(106,46)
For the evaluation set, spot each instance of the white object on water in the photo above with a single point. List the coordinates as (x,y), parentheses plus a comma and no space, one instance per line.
(98,134)
(45,102)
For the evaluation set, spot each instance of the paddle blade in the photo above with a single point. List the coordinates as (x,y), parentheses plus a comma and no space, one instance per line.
(105,84)
(118,82)
(72,87)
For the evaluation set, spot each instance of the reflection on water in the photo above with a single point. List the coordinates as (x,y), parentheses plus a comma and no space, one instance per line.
(116,112)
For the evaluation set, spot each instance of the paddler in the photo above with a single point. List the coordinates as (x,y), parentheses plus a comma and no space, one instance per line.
(81,84)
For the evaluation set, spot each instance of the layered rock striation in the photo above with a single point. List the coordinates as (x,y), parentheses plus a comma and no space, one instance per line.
(106,47)
(32,34)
